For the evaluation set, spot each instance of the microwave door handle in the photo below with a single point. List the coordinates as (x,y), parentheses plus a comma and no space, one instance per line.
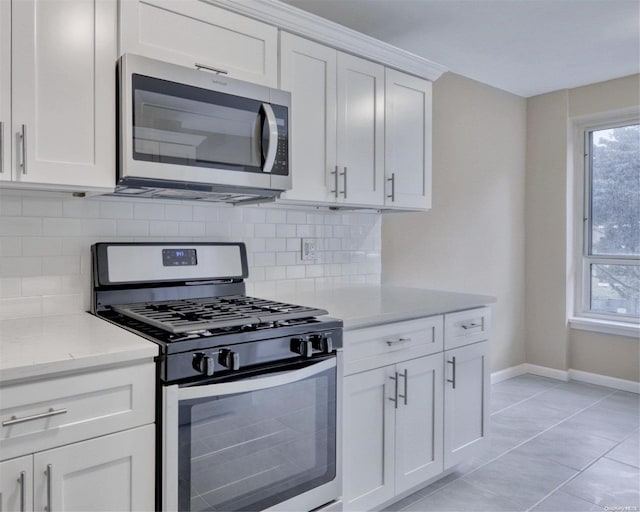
(272,148)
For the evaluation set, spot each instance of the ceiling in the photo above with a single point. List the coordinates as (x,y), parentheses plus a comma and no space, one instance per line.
(526,47)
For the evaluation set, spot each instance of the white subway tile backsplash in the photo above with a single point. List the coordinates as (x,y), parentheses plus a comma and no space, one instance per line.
(191,228)
(115,209)
(61,227)
(179,212)
(41,246)
(81,209)
(10,287)
(61,265)
(20,266)
(130,227)
(45,263)
(20,307)
(62,304)
(10,246)
(37,207)
(148,210)
(21,226)
(285,230)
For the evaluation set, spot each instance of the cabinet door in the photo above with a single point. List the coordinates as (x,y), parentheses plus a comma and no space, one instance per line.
(16,484)
(63,93)
(466,402)
(418,421)
(407,140)
(308,71)
(368,439)
(114,472)
(360,131)
(5,90)
(190,32)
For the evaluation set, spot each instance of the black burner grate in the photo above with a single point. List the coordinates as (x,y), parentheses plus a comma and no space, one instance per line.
(191,315)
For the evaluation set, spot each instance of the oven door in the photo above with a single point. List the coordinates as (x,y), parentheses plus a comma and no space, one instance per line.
(268,442)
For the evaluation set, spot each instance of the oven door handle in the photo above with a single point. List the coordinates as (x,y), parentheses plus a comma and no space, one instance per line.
(248,385)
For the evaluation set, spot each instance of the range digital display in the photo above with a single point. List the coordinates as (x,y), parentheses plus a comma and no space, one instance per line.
(179,257)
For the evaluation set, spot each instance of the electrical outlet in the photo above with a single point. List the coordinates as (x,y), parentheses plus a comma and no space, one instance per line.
(309,248)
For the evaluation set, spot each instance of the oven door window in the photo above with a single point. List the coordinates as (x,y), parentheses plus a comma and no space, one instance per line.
(181,124)
(254,449)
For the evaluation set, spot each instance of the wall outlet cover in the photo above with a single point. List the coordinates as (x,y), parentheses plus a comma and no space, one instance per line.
(309,249)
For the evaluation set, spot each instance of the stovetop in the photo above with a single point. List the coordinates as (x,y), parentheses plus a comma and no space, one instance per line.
(189,316)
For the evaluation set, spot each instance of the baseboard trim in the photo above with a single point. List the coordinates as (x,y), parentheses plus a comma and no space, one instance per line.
(566,375)
(508,373)
(606,381)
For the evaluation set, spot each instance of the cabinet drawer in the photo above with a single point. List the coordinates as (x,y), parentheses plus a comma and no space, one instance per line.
(52,412)
(385,344)
(466,327)
(187,32)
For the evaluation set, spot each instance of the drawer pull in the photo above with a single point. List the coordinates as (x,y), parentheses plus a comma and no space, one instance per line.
(471,325)
(51,412)
(391,343)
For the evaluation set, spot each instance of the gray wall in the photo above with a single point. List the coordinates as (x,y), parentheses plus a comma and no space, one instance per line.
(473,238)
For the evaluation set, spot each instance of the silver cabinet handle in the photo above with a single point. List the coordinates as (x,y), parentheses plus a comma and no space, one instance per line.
(15,420)
(395,393)
(49,472)
(470,325)
(453,379)
(335,181)
(23,505)
(405,376)
(23,146)
(399,340)
(344,175)
(392,196)
(1,147)
(218,71)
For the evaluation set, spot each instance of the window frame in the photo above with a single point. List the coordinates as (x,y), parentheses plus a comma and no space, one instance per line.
(583,310)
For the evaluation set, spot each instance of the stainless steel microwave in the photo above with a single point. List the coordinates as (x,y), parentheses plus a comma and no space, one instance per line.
(191,134)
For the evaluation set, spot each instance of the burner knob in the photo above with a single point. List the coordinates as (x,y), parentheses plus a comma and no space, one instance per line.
(302,346)
(322,343)
(229,359)
(204,364)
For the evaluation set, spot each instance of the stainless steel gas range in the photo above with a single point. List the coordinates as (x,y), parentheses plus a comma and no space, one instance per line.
(249,390)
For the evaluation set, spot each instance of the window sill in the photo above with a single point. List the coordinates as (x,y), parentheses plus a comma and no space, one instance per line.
(605,326)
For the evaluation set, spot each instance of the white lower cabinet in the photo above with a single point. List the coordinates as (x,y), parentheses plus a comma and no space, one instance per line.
(109,473)
(79,441)
(392,430)
(412,409)
(466,408)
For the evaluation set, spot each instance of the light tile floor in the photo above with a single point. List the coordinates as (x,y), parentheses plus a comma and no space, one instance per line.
(555,446)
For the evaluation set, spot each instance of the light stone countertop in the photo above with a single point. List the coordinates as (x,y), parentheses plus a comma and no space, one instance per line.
(369,305)
(34,347)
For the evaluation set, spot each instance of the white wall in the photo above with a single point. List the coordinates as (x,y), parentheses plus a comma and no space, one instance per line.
(550,232)
(45,244)
(473,238)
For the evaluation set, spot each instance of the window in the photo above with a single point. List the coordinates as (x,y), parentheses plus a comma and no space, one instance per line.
(611,242)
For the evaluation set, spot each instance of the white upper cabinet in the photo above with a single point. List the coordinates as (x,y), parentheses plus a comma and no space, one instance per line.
(360,131)
(5,90)
(194,32)
(407,141)
(337,124)
(308,70)
(63,92)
